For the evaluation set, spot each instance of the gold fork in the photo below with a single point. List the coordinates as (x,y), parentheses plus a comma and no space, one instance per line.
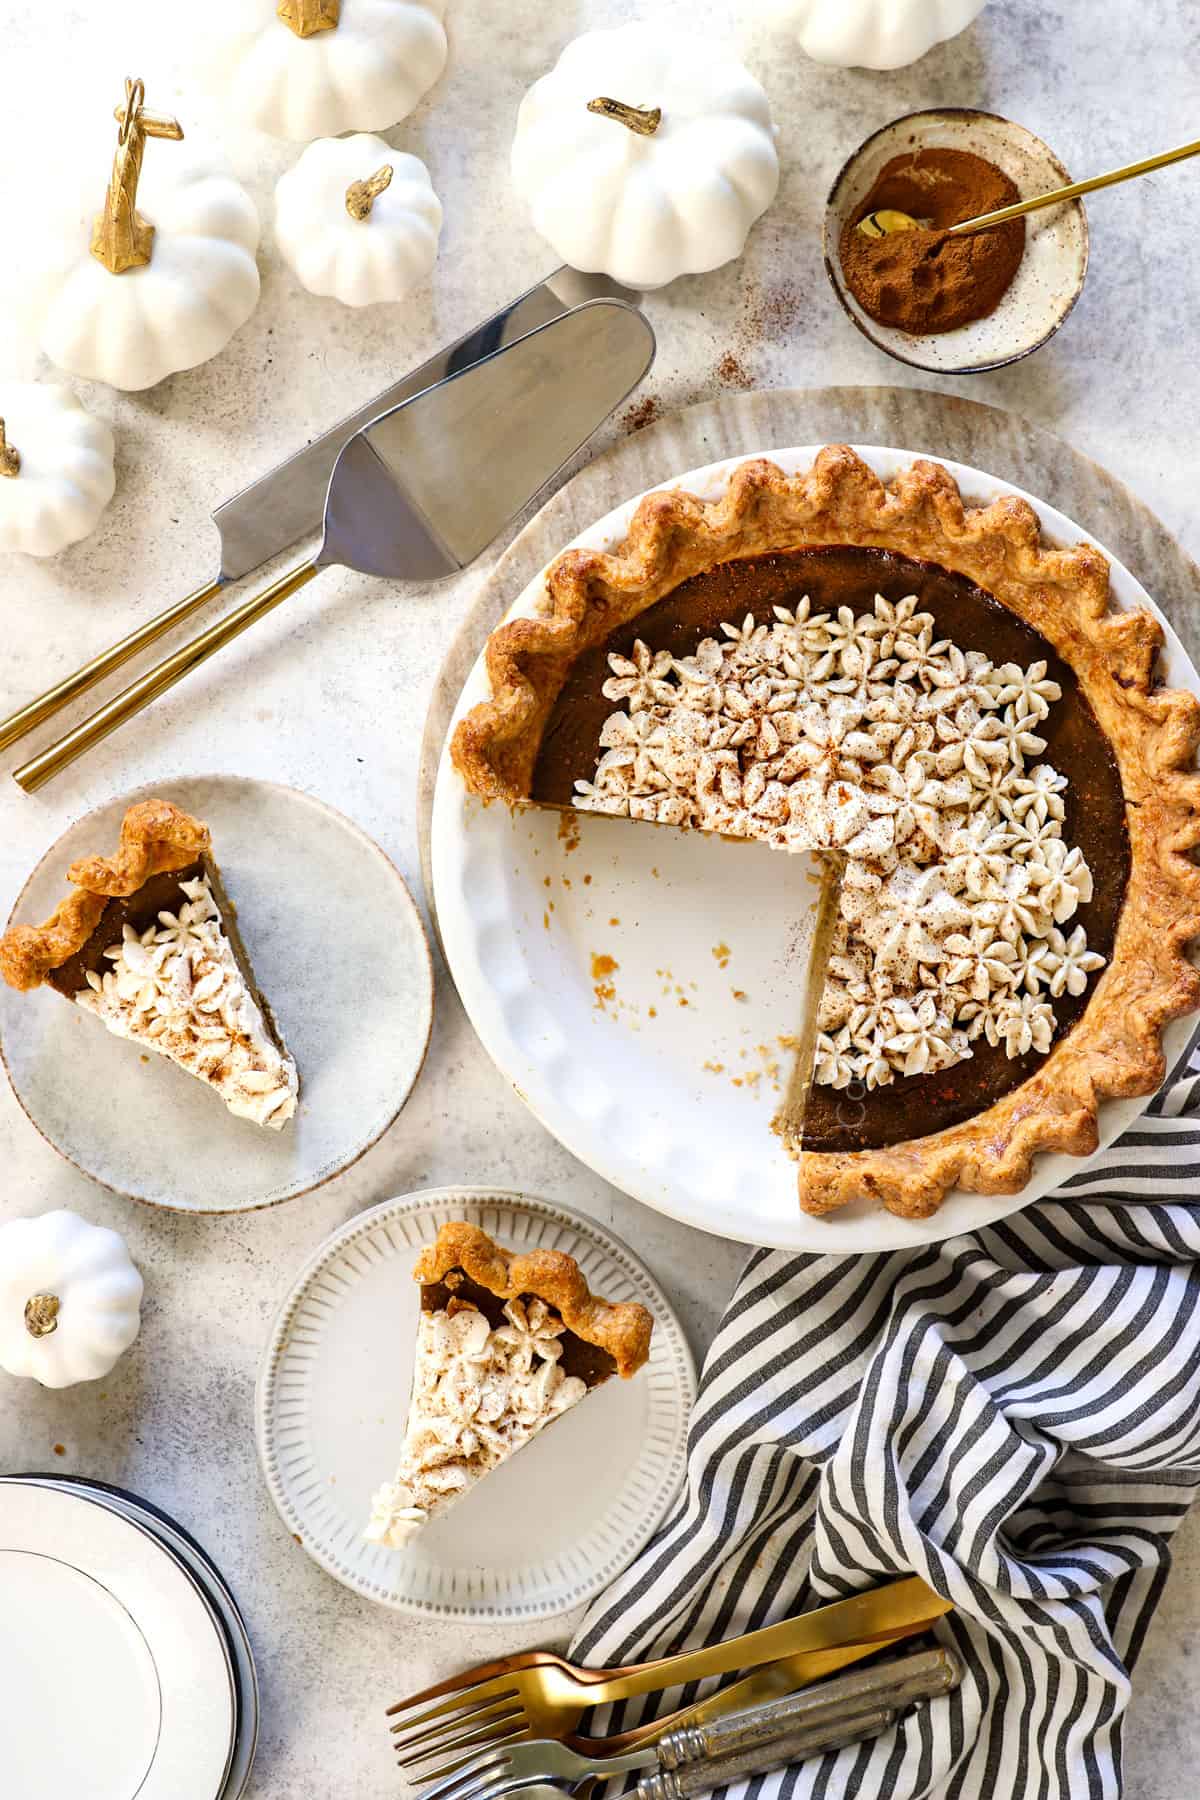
(770,1683)
(549,1699)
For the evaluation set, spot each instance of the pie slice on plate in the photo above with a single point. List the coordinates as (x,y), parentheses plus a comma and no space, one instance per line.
(928,689)
(505,1344)
(148,944)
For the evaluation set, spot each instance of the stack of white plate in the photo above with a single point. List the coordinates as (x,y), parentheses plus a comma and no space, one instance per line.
(125,1667)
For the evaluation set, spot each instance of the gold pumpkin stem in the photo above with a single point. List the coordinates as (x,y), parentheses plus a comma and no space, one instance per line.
(121,238)
(644,120)
(307,17)
(41,1315)
(10,456)
(362,195)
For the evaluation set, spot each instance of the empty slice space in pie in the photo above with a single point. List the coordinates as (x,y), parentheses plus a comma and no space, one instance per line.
(148,944)
(506,1344)
(930,691)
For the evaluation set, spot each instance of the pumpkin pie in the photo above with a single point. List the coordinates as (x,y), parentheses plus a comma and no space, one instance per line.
(505,1344)
(927,688)
(148,944)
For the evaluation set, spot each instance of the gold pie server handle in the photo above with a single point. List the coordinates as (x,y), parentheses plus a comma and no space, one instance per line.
(106,663)
(156,681)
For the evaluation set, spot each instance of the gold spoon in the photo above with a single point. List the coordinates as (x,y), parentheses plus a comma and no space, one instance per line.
(888,220)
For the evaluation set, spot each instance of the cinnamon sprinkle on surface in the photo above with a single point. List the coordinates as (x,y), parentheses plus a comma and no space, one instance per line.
(644,412)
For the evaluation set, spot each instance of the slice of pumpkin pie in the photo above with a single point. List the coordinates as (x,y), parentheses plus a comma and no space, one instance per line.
(505,1344)
(148,944)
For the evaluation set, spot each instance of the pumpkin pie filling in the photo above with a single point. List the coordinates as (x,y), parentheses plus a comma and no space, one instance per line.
(147,942)
(832,578)
(506,1343)
(163,892)
(589,1363)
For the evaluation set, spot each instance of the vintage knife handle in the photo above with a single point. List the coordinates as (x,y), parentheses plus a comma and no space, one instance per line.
(106,663)
(897,1683)
(156,681)
(703,1777)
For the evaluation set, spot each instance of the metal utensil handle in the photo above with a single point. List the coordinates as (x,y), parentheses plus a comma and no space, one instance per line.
(703,1777)
(106,663)
(897,1683)
(1019,208)
(877,1614)
(157,680)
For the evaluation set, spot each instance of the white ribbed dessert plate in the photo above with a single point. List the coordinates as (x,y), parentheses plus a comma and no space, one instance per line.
(212,1585)
(339,951)
(672,1102)
(116,1677)
(544,1532)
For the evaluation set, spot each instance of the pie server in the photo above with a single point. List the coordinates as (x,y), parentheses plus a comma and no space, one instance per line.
(421,490)
(288,502)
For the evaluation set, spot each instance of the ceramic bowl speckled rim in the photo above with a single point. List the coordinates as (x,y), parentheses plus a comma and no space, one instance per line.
(737,1184)
(1053,270)
(187,1154)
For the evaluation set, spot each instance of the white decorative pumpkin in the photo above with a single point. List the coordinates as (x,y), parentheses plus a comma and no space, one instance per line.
(70,1299)
(314,68)
(646,153)
(56,468)
(873,34)
(358,220)
(162,278)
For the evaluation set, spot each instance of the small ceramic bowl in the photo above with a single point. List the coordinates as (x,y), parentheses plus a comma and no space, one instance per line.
(1049,280)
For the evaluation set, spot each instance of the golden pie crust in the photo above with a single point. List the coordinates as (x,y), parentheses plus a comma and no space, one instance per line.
(157,837)
(1115,1049)
(622,1329)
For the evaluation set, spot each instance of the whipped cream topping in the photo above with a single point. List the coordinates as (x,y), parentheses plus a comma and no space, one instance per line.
(176,987)
(479,1394)
(917,760)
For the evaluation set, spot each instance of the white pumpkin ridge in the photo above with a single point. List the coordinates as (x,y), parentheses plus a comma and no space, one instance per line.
(70,1299)
(200,285)
(646,206)
(873,34)
(365,72)
(359,261)
(64,477)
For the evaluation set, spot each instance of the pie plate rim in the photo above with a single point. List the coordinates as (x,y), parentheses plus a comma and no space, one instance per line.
(466,910)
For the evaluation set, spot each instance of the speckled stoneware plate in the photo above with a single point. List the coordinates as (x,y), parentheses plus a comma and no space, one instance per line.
(116,1677)
(673,1104)
(339,950)
(213,1586)
(546,1531)
(1052,271)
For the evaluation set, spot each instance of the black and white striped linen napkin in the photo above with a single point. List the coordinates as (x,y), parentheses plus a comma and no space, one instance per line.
(1013,1415)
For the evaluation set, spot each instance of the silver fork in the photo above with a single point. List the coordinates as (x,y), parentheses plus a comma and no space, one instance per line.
(558,1770)
(543,1759)
(799,1724)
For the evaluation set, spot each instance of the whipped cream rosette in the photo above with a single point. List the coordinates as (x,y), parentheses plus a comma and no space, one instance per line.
(480,1393)
(913,757)
(177,988)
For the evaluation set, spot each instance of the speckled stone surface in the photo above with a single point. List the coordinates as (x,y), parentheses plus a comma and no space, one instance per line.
(329,694)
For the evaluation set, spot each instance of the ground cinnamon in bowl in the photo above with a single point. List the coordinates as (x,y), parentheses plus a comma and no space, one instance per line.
(923,281)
